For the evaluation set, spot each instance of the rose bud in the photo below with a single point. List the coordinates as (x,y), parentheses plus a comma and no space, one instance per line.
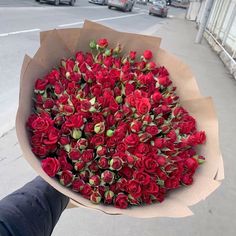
(108,197)
(152,129)
(115,163)
(101,151)
(79,165)
(187,179)
(109,133)
(76,134)
(59,120)
(66,178)
(147,119)
(132,200)
(118,115)
(147,54)
(136,126)
(107,177)
(82,143)
(191,163)
(95,197)
(121,201)
(132,55)
(151,65)
(87,155)
(84,175)
(161,160)
(93,167)
(130,160)
(103,163)
(51,166)
(95,180)
(74,155)
(102,43)
(144,137)
(99,128)
(77,185)
(64,140)
(119,99)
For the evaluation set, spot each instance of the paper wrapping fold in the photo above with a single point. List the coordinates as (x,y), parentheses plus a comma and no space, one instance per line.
(58,44)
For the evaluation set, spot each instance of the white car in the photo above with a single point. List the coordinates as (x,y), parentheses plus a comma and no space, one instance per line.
(125,5)
(57,2)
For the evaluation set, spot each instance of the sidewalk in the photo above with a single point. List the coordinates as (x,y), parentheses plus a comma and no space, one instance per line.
(214,216)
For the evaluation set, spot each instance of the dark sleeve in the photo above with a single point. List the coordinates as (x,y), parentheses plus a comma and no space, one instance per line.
(32,210)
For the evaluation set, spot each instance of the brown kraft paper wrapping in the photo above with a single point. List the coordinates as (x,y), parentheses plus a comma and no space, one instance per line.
(58,44)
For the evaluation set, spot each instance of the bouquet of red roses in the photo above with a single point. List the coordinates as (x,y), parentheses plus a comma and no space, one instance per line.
(108,123)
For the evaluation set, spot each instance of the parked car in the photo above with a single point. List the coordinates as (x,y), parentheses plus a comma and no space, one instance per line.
(158,8)
(144,2)
(101,2)
(125,5)
(57,2)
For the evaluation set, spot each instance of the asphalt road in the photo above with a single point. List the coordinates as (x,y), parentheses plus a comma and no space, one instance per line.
(22,20)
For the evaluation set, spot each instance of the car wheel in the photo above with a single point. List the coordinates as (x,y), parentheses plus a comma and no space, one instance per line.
(57,2)
(150,13)
(109,7)
(72,2)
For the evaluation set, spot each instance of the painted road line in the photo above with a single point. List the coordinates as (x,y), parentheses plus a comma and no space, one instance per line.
(19,32)
(102,19)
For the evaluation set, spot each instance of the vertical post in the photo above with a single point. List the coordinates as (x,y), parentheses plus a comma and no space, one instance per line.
(204,19)
(223,20)
(231,21)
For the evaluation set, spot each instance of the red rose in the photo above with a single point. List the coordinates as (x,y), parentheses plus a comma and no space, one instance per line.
(150,165)
(51,166)
(142,177)
(160,142)
(143,106)
(74,154)
(200,137)
(136,126)
(86,191)
(85,105)
(147,54)
(66,177)
(37,139)
(102,43)
(79,165)
(152,129)
(96,90)
(142,148)
(82,143)
(151,188)
(97,140)
(93,167)
(40,151)
(77,185)
(187,179)
(156,97)
(115,163)
(126,172)
(52,136)
(41,123)
(129,88)
(132,140)
(134,188)
(108,197)
(87,155)
(161,160)
(64,163)
(94,180)
(41,84)
(121,201)
(191,163)
(107,176)
(164,80)
(95,197)
(103,163)
(121,147)
(64,140)
(132,55)
(74,121)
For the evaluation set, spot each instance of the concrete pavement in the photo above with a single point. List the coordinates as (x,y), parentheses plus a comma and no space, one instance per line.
(214,216)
